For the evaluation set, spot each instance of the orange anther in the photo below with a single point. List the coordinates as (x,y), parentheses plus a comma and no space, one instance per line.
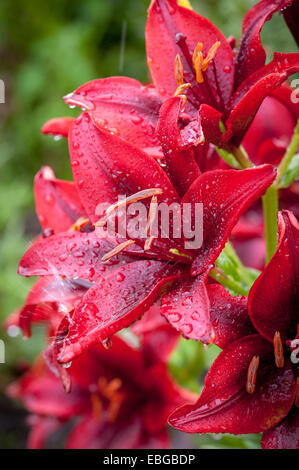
(178,70)
(278,350)
(251,374)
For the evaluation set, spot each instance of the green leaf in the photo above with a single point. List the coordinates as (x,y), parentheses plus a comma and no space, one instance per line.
(237,278)
(291,173)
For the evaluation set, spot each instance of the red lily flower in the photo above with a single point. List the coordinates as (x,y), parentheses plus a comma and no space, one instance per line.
(267,139)
(125,286)
(221,87)
(251,387)
(119,399)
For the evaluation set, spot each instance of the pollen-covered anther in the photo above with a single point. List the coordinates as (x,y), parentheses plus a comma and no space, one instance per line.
(251,374)
(111,391)
(200,64)
(79,224)
(178,70)
(181,89)
(180,92)
(278,350)
(97,406)
(117,250)
(144,194)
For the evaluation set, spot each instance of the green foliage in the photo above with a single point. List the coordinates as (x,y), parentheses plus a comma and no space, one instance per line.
(291,173)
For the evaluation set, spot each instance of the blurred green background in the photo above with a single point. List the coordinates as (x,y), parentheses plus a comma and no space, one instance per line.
(47,49)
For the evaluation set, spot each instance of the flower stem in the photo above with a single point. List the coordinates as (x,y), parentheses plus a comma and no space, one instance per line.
(242,157)
(218,275)
(270,208)
(291,150)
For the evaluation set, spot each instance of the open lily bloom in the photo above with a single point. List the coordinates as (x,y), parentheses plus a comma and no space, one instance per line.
(253,385)
(118,400)
(128,277)
(225,91)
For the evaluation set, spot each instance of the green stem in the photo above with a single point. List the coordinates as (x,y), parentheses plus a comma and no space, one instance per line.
(291,150)
(270,208)
(218,275)
(242,157)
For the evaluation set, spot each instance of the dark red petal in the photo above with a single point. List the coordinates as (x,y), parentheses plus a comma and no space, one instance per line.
(274,296)
(90,433)
(225,405)
(187,309)
(43,394)
(251,55)
(229,316)
(225,195)
(57,126)
(163,396)
(105,166)
(210,121)
(165,20)
(266,135)
(70,254)
(57,202)
(251,93)
(158,337)
(124,106)
(291,15)
(121,360)
(114,302)
(49,290)
(41,428)
(285,435)
(181,165)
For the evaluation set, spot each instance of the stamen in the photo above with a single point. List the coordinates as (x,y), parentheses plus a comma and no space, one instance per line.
(148,243)
(178,70)
(251,374)
(117,250)
(153,210)
(113,408)
(197,50)
(97,406)
(198,61)
(201,64)
(210,55)
(181,89)
(297,393)
(80,223)
(113,386)
(145,193)
(278,350)
(102,222)
(110,390)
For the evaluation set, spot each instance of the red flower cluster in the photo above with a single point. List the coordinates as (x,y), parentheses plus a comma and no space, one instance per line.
(161,143)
